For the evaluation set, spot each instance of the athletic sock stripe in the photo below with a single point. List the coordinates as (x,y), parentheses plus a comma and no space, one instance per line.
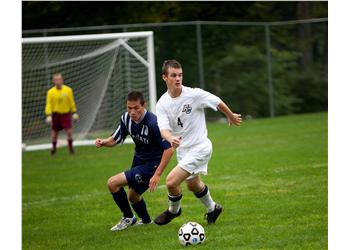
(175,198)
(202,193)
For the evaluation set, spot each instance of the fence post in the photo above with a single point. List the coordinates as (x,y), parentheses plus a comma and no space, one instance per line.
(200,55)
(269,70)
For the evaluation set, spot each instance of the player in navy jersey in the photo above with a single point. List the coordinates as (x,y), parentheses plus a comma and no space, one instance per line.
(152,155)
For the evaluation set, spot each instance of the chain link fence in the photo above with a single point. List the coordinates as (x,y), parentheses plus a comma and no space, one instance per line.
(258,69)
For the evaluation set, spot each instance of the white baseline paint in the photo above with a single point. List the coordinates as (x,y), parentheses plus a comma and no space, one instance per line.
(64,143)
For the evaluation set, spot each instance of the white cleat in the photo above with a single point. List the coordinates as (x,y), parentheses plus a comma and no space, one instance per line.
(124,223)
(139,223)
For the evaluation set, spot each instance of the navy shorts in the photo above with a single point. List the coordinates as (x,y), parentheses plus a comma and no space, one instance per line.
(139,175)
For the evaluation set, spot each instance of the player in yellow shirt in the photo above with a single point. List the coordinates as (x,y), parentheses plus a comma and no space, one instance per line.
(60,109)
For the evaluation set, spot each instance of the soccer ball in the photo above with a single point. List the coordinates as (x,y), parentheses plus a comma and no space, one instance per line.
(191,233)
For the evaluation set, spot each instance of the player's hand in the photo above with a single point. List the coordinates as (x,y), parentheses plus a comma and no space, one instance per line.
(234,119)
(75,117)
(48,119)
(153,182)
(175,141)
(98,143)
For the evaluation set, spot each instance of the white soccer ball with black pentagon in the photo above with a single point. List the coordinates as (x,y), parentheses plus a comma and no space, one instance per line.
(191,233)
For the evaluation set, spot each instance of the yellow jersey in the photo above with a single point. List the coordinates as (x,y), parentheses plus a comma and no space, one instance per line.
(60,101)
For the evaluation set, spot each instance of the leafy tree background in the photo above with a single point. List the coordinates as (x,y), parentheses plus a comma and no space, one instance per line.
(234,56)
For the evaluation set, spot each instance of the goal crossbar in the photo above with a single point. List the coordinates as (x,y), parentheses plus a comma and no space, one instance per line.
(91,37)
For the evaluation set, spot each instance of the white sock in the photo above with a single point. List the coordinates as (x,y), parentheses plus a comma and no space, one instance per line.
(206,199)
(208,202)
(174,203)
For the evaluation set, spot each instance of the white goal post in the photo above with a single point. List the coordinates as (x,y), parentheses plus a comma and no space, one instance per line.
(100,68)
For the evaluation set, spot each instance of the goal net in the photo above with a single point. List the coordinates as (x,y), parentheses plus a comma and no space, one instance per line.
(101,69)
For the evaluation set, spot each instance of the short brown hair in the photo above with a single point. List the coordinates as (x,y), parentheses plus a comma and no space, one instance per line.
(136,96)
(170,64)
(56,74)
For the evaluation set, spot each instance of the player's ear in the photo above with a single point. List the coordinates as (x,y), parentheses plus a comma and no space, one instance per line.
(164,77)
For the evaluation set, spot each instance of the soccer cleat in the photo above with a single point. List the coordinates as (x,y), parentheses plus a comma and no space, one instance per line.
(166,217)
(53,151)
(140,222)
(124,223)
(212,216)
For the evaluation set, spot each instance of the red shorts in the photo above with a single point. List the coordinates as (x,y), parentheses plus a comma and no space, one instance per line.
(61,121)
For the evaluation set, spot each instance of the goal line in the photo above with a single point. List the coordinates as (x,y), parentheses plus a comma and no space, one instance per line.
(63,143)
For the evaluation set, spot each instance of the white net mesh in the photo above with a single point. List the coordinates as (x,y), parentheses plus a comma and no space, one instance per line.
(101,72)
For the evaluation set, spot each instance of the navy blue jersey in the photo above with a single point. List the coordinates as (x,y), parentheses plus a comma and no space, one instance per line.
(149,145)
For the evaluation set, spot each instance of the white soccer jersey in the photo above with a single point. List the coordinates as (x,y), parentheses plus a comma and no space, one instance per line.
(184,115)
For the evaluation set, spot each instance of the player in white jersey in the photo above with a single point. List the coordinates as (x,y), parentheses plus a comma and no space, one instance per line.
(181,119)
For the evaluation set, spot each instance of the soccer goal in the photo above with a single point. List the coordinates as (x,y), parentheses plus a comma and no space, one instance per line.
(101,69)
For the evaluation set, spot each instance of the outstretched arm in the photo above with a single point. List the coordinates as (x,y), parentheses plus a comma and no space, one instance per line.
(232,118)
(109,142)
(167,154)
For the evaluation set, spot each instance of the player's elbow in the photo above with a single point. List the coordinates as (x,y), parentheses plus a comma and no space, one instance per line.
(170,151)
(112,142)
(165,133)
(162,134)
(220,106)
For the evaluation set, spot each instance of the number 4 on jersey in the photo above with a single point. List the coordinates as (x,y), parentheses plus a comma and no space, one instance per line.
(179,123)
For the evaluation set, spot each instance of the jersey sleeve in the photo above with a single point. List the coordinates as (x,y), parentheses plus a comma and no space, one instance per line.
(163,120)
(48,110)
(164,144)
(207,100)
(121,132)
(73,107)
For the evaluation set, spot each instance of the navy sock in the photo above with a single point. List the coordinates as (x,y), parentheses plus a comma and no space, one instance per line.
(121,200)
(141,210)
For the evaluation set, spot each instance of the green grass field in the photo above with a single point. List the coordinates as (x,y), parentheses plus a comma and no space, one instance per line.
(270,175)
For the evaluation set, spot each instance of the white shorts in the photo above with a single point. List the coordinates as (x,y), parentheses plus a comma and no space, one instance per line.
(195,159)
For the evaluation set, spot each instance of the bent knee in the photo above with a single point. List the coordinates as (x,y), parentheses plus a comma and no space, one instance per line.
(171,183)
(112,185)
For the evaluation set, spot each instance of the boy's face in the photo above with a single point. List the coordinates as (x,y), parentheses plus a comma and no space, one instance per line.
(58,81)
(135,110)
(173,78)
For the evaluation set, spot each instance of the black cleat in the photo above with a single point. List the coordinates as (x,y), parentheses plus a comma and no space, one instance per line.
(166,217)
(212,216)
(53,151)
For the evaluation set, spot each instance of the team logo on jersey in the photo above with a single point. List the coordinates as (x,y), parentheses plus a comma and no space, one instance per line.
(187,109)
(144,130)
